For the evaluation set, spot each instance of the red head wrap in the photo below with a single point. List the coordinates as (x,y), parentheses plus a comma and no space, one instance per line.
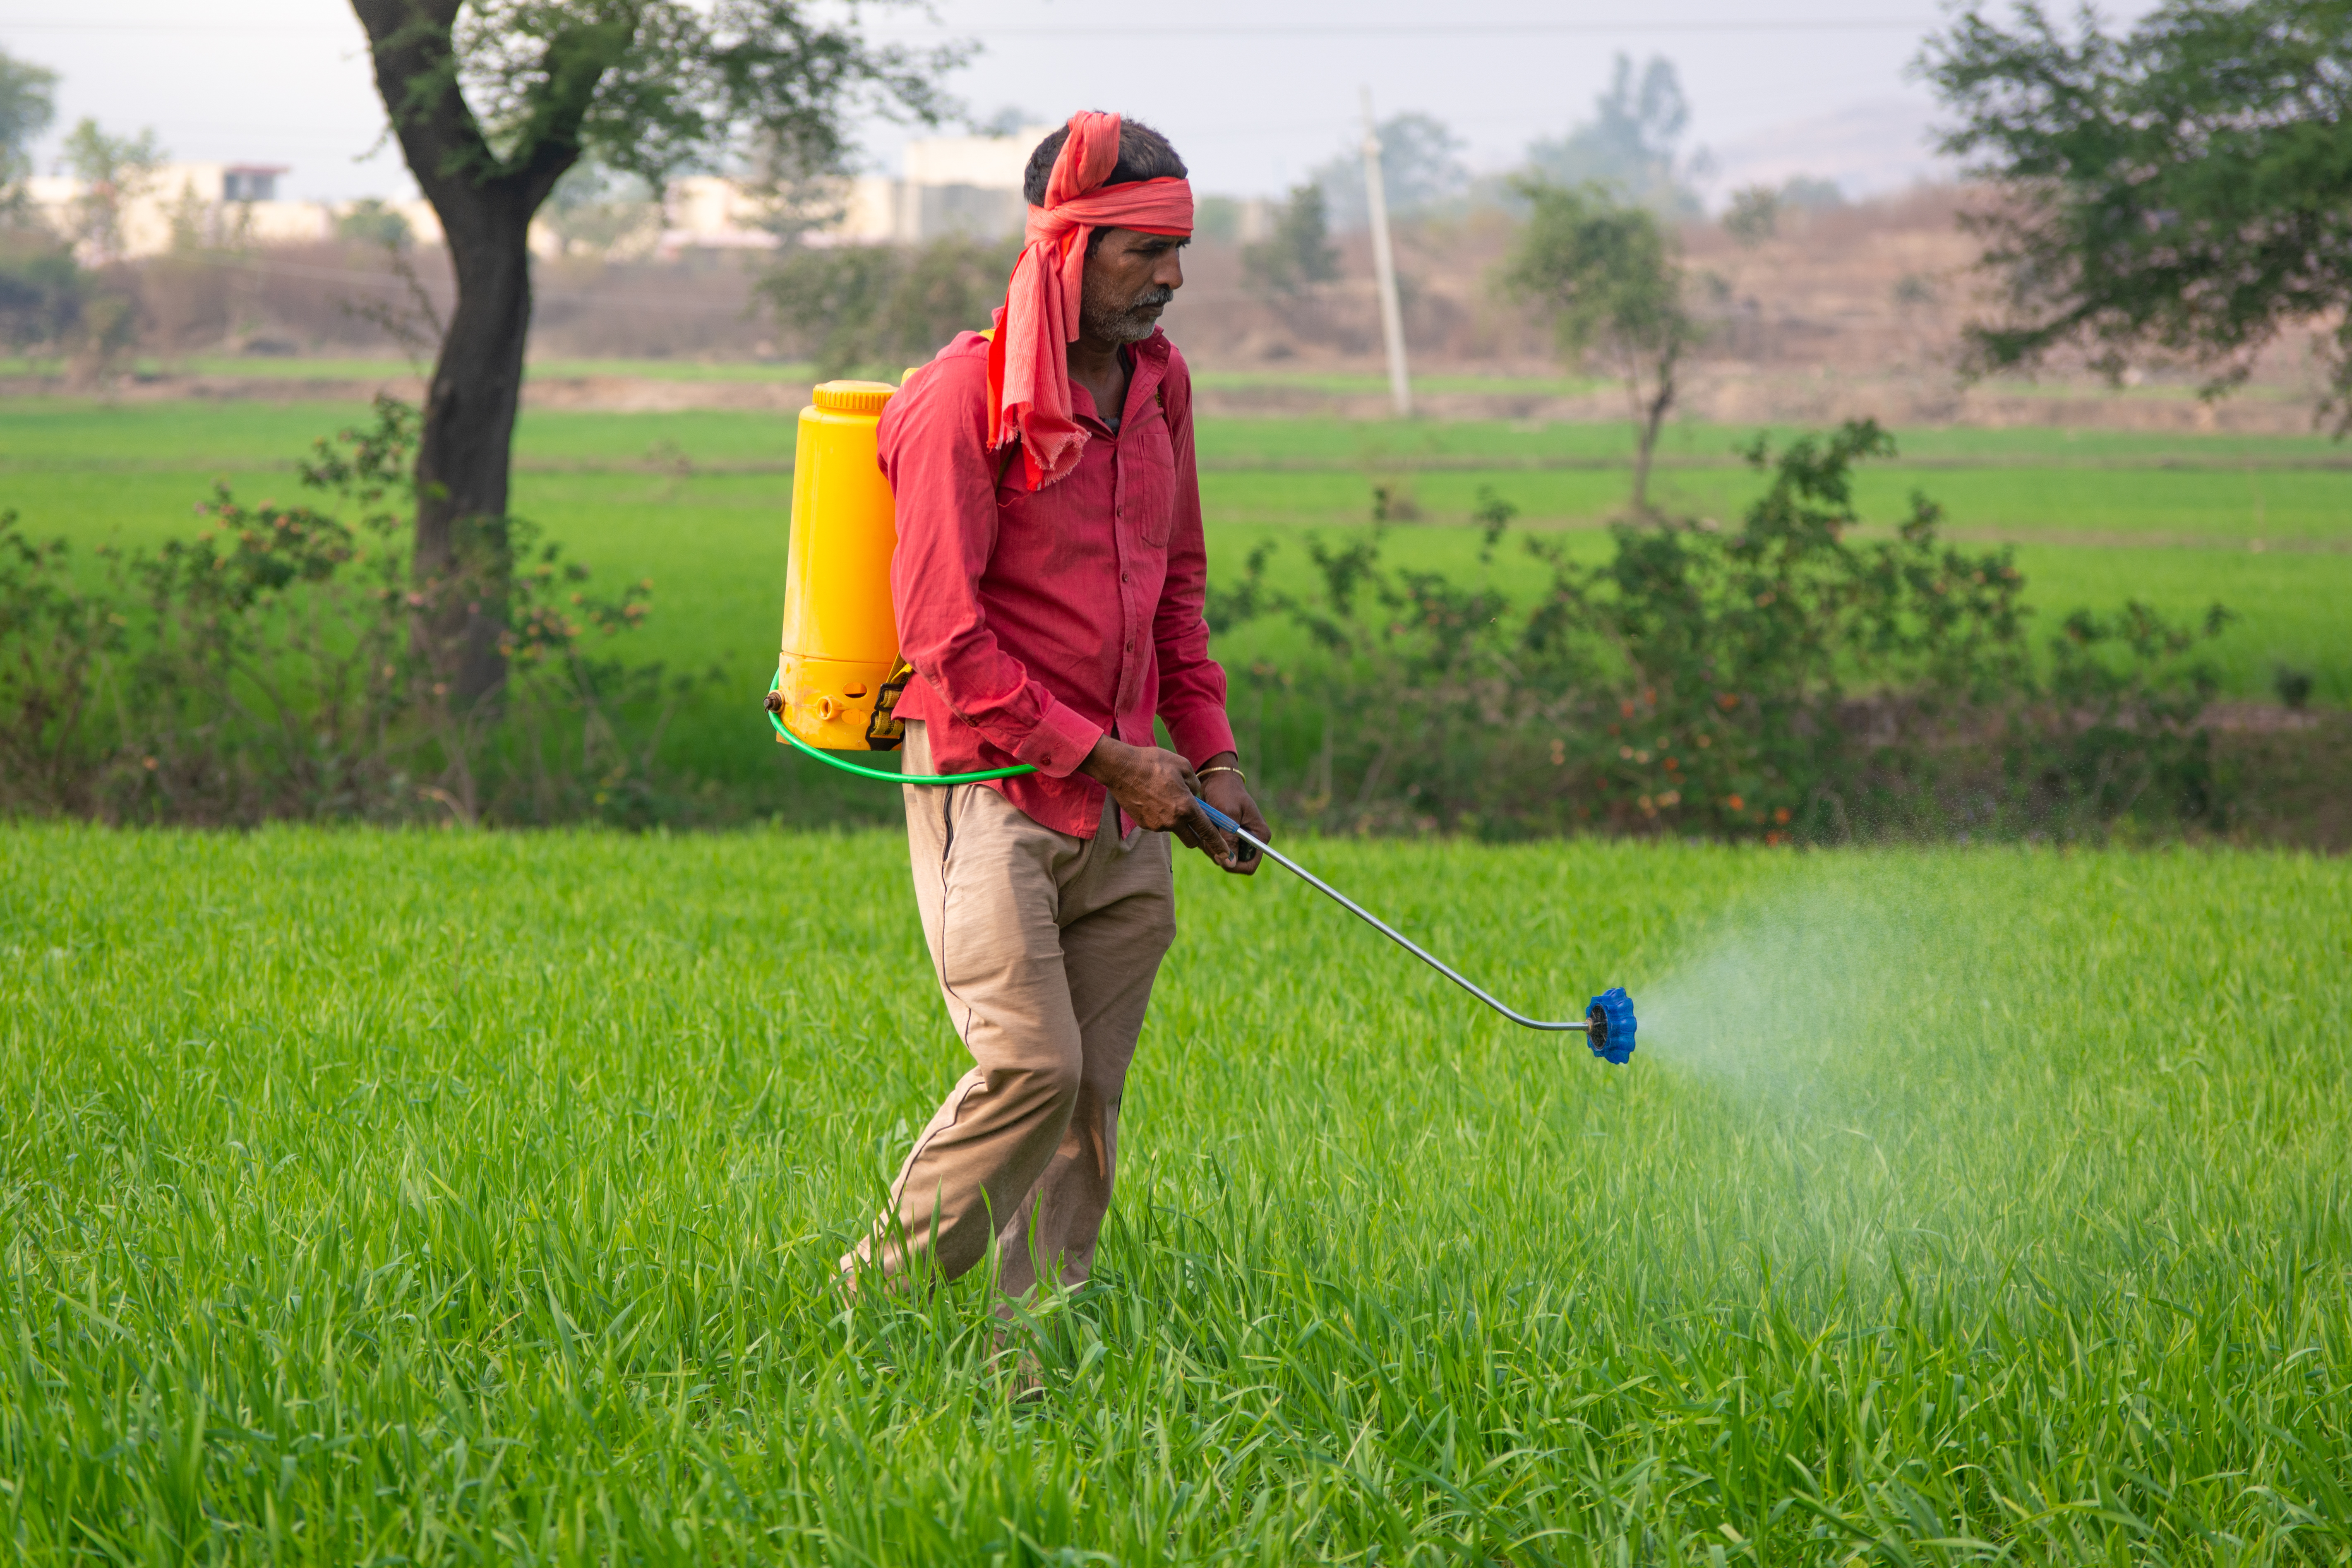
(1028,373)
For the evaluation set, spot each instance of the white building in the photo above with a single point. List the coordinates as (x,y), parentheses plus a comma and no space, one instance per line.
(947,184)
(179,204)
(704,212)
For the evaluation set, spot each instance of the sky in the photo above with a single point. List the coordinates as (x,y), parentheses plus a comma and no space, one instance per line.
(1255,95)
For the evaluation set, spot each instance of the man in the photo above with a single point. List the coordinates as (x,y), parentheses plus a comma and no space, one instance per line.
(1048,583)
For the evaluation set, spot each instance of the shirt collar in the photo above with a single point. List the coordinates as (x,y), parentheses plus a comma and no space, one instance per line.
(1147,367)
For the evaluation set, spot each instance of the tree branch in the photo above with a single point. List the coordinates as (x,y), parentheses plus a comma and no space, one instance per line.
(576,61)
(416,76)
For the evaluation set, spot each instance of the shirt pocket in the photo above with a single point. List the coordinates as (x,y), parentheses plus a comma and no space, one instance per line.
(1147,474)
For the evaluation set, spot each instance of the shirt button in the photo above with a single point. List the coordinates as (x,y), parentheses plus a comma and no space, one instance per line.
(1122,577)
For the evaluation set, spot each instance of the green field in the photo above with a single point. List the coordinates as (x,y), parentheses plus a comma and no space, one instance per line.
(699,500)
(409,1197)
(329,368)
(432,1198)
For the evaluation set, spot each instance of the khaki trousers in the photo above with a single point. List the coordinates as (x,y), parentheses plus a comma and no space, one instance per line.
(1045,947)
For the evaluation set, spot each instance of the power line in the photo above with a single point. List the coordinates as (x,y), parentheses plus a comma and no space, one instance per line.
(222,29)
(1175,30)
(1459,29)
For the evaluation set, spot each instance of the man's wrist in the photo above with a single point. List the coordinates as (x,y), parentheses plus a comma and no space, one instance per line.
(1106,760)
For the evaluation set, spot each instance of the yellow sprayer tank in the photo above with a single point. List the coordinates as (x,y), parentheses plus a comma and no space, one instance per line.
(841,639)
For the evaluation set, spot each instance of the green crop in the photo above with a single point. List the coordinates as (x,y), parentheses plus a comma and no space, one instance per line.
(385,1197)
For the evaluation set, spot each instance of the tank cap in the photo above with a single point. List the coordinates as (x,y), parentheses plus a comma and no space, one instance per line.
(854,396)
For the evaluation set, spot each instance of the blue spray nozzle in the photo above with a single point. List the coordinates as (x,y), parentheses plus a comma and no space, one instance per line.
(1611,1021)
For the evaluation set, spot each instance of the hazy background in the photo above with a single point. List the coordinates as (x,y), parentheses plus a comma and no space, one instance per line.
(1255,95)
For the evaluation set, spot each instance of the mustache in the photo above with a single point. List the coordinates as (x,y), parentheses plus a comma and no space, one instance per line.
(1151,297)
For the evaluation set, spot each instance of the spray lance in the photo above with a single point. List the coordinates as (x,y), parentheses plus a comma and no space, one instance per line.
(839,674)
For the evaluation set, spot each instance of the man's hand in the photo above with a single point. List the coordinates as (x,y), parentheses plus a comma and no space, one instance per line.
(1228,793)
(1151,784)
(1157,787)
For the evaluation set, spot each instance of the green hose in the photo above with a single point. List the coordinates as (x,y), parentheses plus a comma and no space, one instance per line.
(884,774)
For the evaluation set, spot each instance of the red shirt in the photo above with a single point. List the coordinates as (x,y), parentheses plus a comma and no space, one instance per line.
(1038,621)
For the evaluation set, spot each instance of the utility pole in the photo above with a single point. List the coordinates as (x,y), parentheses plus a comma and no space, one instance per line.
(1376,204)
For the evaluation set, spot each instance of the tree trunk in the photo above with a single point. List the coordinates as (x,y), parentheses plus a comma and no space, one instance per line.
(462,561)
(464,452)
(1649,415)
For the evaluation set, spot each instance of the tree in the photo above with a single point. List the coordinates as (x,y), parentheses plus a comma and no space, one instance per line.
(371,221)
(28,104)
(1631,143)
(593,210)
(113,171)
(1010,119)
(1808,192)
(42,293)
(2178,190)
(45,298)
(493,102)
(1298,255)
(883,307)
(1753,216)
(1421,169)
(1607,276)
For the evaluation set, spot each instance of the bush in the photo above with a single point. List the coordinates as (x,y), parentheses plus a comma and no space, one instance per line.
(52,307)
(41,292)
(1779,681)
(273,667)
(1298,255)
(370,222)
(882,307)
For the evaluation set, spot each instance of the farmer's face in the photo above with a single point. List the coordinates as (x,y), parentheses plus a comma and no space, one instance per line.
(1130,278)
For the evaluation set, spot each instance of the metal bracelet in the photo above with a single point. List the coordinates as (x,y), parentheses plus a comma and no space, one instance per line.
(1221,768)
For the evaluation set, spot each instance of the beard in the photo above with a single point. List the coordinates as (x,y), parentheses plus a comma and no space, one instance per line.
(1126,321)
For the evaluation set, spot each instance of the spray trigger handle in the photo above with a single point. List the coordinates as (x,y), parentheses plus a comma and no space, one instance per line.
(1248,848)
